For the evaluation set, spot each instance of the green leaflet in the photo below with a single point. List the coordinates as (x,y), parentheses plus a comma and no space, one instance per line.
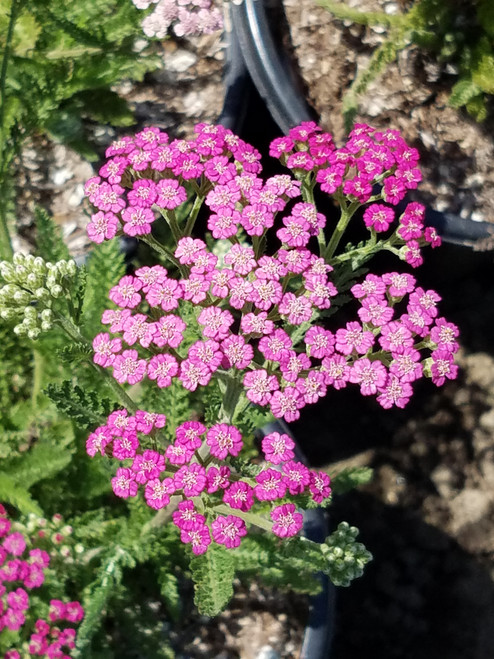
(105,266)
(85,408)
(49,240)
(212,574)
(15,495)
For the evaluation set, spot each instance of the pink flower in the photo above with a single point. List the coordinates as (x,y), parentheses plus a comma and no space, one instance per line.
(216,322)
(287,404)
(370,375)
(105,349)
(443,367)
(14,544)
(189,433)
(241,259)
(224,224)
(319,485)
(444,335)
(186,517)
(260,386)
(193,373)
(224,440)
(354,337)
(286,522)
(412,253)
(426,300)
(336,371)
(125,293)
(191,479)
(395,337)
(228,530)
(217,478)
(168,331)
(148,466)
(150,275)
(103,226)
(406,366)
(157,493)
(188,249)
(239,495)
(13,619)
(371,285)
(265,293)
(146,421)
(162,368)
(143,193)
(170,193)
(319,342)
(124,483)
(295,232)
(127,367)
(200,539)
(195,288)
(74,612)
(312,387)
(18,599)
(125,447)
(238,353)
(255,219)
(395,392)
(207,353)
(179,453)
(270,485)
(256,324)
(136,328)
(375,310)
(165,294)
(292,363)
(399,283)
(137,220)
(378,217)
(277,448)
(296,476)
(275,345)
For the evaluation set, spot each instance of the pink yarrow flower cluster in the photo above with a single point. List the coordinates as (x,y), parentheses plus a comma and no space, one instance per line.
(179,471)
(185,17)
(22,570)
(249,303)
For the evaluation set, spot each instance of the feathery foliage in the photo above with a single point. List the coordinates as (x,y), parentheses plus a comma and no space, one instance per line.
(212,574)
(85,408)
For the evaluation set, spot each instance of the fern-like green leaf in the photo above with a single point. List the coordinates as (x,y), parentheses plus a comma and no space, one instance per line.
(86,408)
(50,244)
(168,583)
(463,92)
(44,460)
(350,478)
(105,266)
(212,574)
(15,495)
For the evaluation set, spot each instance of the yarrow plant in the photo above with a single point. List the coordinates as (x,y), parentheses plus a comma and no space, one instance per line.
(24,563)
(246,316)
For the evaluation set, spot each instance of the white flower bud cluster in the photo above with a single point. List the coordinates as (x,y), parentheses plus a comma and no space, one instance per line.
(32,284)
(346,558)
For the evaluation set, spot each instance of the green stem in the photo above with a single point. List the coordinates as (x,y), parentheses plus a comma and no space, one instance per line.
(73,333)
(191,220)
(164,251)
(347,213)
(250,518)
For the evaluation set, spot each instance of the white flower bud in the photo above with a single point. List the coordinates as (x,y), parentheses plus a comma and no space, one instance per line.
(18,258)
(33,333)
(56,290)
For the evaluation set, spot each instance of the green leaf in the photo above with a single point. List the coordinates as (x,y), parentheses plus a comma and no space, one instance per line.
(49,242)
(168,583)
(86,408)
(350,478)
(212,574)
(463,92)
(15,495)
(105,267)
(43,461)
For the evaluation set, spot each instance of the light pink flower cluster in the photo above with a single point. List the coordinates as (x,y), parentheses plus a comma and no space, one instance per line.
(187,17)
(20,572)
(180,471)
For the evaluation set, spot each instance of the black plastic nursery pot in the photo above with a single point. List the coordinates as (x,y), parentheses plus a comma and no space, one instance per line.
(272,74)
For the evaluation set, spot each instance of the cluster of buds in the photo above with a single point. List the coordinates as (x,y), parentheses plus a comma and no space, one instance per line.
(32,285)
(197,470)
(22,570)
(187,17)
(53,535)
(346,558)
